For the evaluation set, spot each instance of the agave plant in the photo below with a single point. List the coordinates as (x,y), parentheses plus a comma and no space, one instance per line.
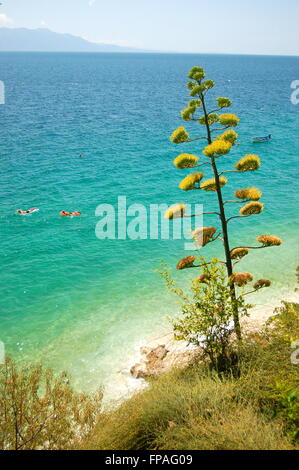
(219,139)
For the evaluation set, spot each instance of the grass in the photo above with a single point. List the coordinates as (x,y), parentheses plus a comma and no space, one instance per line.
(186,409)
(194,409)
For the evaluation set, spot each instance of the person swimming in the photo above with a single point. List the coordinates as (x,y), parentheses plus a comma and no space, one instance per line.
(69,214)
(29,211)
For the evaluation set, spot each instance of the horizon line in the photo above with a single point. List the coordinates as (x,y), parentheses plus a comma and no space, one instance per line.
(143,51)
(134,50)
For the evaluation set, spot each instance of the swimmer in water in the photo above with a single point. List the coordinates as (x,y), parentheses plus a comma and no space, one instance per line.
(29,211)
(69,214)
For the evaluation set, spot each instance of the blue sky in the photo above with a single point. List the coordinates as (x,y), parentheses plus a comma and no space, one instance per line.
(224,26)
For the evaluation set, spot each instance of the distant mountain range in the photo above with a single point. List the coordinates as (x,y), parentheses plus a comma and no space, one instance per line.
(44,40)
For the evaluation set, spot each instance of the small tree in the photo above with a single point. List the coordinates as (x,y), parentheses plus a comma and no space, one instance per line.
(207,314)
(40,410)
(219,138)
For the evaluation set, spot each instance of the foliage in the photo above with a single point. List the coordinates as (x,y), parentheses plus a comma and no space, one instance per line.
(210,185)
(203,235)
(219,140)
(207,312)
(269,355)
(190,181)
(252,194)
(228,136)
(240,279)
(229,120)
(248,163)
(185,160)
(175,212)
(219,147)
(269,240)
(239,253)
(192,408)
(186,263)
(252,208)
(179,135)
(39,410)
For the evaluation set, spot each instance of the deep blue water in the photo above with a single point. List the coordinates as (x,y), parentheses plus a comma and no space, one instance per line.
(81,303)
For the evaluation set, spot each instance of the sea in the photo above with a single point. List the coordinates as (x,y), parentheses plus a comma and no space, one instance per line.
(81,130)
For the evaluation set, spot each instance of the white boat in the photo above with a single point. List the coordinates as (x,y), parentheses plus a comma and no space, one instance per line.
(262,139)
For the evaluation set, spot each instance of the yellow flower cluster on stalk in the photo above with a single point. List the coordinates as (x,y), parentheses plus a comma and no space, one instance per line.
(228,136)
(229,120)
(185,160)
(197,90)
(253,194)
(203,279)
(175,212)
(261,283)
(190,181)
(241,279)
(209,84)
(179,136)
(223,102)
(203,235)
(218,147)
(210,185)
(269,240)
(187,113)
(197,73)
(252,208)
(239,253)
(211,119)
(248,163)
(186,263)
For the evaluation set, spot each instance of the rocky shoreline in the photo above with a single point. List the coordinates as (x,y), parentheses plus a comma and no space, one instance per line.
(155,360)
(161,356)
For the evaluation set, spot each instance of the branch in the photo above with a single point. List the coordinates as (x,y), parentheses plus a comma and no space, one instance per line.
(237,202)
(198,246)
(230,171)
(192,140)
(194,189)
(214,111)
(204,264)
(206,163)
(220,128)
(203,213)
(216,237)
(238,217)
(234,264)
(33,436)
(250,292)
(250,247)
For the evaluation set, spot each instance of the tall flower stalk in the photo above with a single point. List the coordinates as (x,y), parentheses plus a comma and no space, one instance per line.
(219,137)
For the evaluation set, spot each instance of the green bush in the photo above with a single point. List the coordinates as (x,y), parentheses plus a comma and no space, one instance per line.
(191,408)
(268,376)
(207,312)
(188,411)
(196,409)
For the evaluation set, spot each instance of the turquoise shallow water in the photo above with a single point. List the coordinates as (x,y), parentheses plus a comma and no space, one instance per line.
(83,304)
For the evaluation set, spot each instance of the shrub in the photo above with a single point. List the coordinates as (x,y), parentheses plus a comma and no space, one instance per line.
(39,410)
(193,408)
(207,318)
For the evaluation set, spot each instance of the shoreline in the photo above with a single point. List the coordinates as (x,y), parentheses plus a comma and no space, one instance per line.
(122,385)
